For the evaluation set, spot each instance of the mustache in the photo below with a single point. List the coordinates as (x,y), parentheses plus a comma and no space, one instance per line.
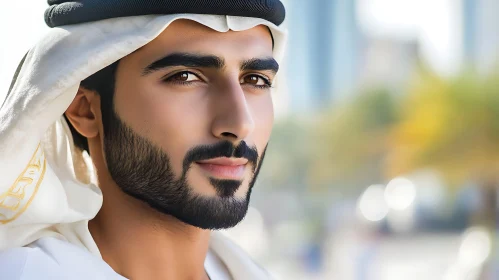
(221,149)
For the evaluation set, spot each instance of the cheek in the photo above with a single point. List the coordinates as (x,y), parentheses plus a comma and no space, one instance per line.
(171,120)
(263,116)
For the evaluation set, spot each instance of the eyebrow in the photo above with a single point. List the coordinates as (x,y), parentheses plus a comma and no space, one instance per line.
(185,59)
(208,61)
(260,64)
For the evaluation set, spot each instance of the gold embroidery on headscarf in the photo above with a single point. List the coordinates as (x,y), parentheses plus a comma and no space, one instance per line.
(18,197)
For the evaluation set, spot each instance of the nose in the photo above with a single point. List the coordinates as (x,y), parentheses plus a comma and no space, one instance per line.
(233,120)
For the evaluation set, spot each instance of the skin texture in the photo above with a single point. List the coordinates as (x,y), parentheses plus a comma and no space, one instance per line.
(174,112)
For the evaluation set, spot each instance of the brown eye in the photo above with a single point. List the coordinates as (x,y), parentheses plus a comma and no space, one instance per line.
(256,80)
(183,77)
(252,80)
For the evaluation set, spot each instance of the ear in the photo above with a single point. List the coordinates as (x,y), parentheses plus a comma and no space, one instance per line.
(84,112)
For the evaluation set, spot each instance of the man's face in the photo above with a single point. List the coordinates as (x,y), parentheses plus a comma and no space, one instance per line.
(192,118)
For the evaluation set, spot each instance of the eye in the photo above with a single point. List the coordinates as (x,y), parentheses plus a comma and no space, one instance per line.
(182,77)
(256,81)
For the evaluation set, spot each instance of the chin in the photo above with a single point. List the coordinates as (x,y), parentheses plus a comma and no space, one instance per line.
(213,213)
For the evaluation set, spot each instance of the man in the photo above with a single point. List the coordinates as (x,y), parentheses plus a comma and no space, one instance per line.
(172,102)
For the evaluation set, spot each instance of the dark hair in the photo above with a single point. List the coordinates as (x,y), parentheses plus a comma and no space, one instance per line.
(103,83)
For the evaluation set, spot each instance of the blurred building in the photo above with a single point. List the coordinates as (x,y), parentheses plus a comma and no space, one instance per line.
(323,52)
(481,33)
(388,62)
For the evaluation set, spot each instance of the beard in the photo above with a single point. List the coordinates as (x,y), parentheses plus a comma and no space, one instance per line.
(143,171)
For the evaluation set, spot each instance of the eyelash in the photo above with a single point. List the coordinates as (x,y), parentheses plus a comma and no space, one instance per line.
(169,79)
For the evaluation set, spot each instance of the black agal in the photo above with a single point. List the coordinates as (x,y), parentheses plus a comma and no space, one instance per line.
(64,12)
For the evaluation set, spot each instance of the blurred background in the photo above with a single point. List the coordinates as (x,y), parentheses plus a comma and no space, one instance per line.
(384,161)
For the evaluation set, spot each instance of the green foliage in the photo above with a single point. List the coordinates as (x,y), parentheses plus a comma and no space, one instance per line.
(341,146)
(288,155)
(451,125)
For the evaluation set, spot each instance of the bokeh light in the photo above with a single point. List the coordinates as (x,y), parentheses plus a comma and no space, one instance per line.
(372,204)
(475,247)
(400,193)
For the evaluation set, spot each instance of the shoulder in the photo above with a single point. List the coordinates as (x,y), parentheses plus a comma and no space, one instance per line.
(53,259)
(26,264)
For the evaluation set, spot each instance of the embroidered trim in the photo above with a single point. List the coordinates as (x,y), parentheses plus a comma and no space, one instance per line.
(18,197)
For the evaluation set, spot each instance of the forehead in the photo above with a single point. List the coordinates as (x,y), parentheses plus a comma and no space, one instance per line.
(190,36)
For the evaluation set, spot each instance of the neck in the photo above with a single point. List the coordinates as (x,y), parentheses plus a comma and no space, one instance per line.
(140,243)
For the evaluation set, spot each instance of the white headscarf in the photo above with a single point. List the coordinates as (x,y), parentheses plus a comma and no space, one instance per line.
(46,186)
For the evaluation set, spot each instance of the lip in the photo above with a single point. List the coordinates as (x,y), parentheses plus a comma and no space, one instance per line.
(225,161)
(224,168)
